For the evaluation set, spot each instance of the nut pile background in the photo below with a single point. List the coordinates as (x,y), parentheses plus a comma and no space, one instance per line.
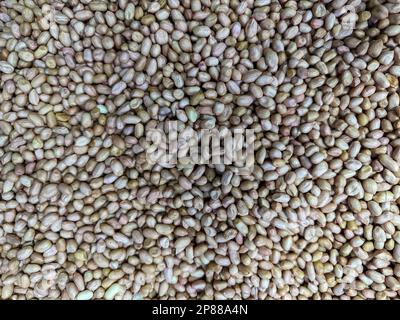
(83,215)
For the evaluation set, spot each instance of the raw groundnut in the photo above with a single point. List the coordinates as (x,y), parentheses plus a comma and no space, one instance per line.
(85,215)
